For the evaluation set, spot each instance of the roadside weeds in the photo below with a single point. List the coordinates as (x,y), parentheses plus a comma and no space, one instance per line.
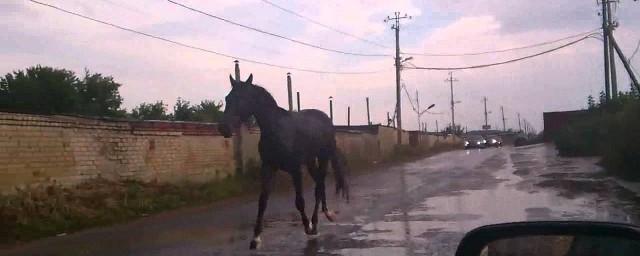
(44,211)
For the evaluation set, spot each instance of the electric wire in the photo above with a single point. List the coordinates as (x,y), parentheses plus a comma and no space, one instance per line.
(502,62)
(278,35)
(203,49)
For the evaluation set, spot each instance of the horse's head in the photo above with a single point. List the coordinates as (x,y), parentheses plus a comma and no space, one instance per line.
(239,105)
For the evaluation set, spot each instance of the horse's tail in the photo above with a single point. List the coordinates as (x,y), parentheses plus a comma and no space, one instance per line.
(340,171)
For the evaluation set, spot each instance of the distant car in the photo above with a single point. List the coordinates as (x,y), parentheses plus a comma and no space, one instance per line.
(494,141)
(475,141)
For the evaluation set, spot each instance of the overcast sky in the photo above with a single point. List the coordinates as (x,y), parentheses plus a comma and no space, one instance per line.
(153,70)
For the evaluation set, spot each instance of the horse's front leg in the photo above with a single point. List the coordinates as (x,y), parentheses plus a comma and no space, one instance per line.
(266,174)
(313,171)
(296,174)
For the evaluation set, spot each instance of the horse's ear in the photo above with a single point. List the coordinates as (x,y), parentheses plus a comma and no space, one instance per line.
(250,79)
(233,81)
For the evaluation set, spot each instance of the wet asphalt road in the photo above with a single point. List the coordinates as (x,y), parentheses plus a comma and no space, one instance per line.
(418,208)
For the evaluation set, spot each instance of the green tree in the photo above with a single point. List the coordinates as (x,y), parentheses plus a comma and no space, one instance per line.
(50,90)
(99,96)
(208,111)
(183,111)
(634,91)
(150,111)
(456,130)
(603,98)
(39,89)
(591,103)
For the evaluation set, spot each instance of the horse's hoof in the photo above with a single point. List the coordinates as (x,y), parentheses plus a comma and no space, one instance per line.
(331,216)
(308,229)
(313,232)
(255,243)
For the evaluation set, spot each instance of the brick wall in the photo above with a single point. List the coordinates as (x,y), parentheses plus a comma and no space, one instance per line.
(556,121)
(37,149)
(40,149)
(250,154)
(377,143)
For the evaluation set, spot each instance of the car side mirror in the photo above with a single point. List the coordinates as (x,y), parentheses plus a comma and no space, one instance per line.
(562,238)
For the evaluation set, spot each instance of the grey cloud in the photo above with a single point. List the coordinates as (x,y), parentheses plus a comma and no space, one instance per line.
(523,16)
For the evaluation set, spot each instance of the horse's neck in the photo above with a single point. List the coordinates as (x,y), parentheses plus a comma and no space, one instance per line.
(268,117)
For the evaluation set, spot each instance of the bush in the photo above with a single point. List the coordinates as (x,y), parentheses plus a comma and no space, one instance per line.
(581,138)
(611,131)
(621,150)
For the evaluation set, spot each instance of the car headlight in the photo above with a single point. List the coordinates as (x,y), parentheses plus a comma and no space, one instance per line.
(484,141)
(466,143)
(478,143)
(494,141)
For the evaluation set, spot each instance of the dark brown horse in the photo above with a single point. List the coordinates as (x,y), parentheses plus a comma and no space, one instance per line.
(287,141)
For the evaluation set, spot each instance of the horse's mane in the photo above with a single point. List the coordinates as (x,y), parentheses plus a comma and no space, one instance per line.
(266,99)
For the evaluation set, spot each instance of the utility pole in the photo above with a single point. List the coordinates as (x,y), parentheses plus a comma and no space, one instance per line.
(388,119)
(453,118)
(612,55)
(237,69)
(298,98)
(349,116)
(504,123)
(396,26)
(437,129)
(626,64)
(486,124)
(519,125)
(289,92)
(331,108)
(237,140)
(605,43)
(368,115)
(418,108)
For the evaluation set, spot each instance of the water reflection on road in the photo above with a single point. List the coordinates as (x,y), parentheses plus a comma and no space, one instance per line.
(435,225)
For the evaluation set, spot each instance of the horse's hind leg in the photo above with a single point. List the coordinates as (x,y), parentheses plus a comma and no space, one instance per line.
(266,174)
(314,172)
(322,173)
(296,174)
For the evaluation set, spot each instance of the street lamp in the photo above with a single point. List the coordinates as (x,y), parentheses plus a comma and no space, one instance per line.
(420,113)
(406,59)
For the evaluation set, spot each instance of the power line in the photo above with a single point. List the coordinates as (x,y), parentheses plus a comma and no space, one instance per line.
(502,50)
(283,66)
(635,51)
(202,49)
(323,25)
(408,97)
(278,35)
(503,62)
(413,106)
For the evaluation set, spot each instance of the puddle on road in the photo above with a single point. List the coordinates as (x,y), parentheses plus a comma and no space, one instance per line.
(436,225)
(382,251)
(439,223)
